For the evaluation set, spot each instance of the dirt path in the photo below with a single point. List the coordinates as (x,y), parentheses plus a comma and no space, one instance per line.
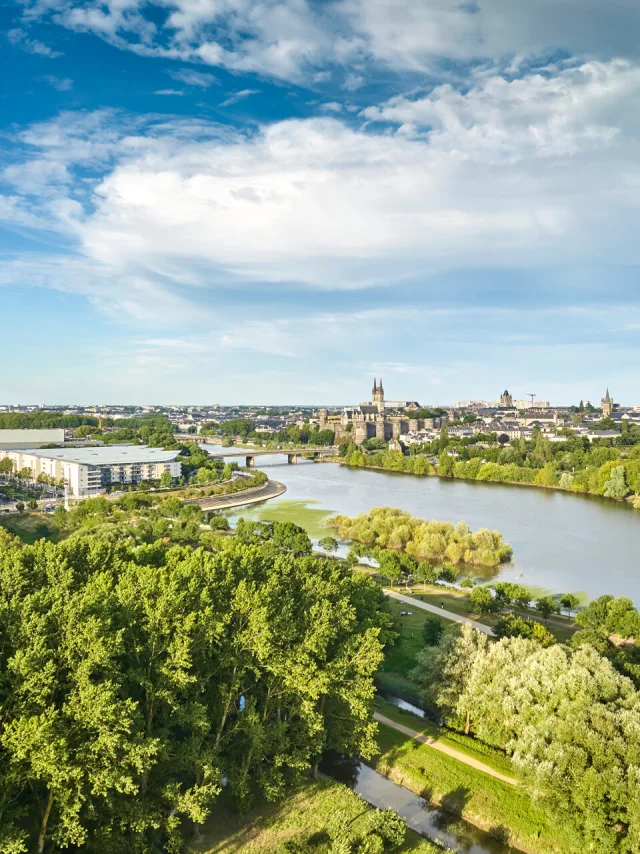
(444,748)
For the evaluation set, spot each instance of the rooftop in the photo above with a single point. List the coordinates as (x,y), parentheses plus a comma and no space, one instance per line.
(108,455)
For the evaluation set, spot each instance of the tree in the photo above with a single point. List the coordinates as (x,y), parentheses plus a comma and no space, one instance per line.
(545,606)
(217,522)
(143,675)
(166,480)
(570,602)
(19,506)
(328,544)
(510,626)
(482,602)
(432,631)
(616,486)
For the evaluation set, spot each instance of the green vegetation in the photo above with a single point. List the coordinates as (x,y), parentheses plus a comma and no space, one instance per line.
(138,676)
(30,527)
(388,528)
(388,460)
(303,513)
(307,821)
(244,429)
(567,717)
(508,812)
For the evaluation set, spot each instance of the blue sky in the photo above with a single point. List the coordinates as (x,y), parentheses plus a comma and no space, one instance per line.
(233,201)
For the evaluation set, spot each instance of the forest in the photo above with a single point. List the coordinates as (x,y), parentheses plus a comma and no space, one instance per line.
(141,678)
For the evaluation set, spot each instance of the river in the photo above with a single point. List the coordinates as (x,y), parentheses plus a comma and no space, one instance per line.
(561,542)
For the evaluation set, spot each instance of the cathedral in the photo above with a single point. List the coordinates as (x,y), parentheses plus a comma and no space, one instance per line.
(370,420)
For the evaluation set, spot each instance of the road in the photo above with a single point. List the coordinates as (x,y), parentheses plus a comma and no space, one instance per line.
(441,612)
(444,748)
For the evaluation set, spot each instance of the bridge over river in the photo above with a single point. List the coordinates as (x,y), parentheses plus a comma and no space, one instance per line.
(292,456)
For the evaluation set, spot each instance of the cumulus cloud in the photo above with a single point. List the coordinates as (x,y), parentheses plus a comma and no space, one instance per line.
(62,84)
(541,171)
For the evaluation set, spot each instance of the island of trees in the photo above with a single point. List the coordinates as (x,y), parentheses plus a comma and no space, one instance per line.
(388,528)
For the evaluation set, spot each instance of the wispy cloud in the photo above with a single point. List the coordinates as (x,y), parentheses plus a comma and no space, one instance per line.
(200,79)
(62,84)
(234,97)
(19,38)
(169,92)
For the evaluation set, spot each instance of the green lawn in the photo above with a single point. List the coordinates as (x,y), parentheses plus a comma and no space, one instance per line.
(30,526)
(303,816)
(507,811)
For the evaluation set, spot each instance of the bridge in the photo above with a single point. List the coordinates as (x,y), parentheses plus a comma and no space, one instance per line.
(292,456)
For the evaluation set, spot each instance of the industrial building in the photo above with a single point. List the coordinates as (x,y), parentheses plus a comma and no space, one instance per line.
(89,471)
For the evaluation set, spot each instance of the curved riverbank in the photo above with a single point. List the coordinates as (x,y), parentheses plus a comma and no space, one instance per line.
(628,501)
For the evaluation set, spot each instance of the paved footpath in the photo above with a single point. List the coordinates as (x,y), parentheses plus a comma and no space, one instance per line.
(444,748)
(441,612)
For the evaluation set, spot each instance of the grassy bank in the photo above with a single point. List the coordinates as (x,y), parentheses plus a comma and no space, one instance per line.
(508,812)
(30,526)
(304,816)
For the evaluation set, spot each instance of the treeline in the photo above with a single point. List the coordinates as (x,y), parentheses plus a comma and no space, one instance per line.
(389,460)
(42,420)
(245,429)
(389,528)
(137,680)
(567,715)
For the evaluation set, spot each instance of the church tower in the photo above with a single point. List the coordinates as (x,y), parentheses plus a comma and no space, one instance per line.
(377,396)
(607,405)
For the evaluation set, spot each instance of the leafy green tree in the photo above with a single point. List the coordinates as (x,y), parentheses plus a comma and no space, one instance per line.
(165,479)
(510,626)
(328,544)
(616,486)
(570,602)
(545,606)
(432,631)
(482,602)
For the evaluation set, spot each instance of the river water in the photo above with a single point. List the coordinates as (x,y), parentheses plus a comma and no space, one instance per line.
(453,832)
(562,542)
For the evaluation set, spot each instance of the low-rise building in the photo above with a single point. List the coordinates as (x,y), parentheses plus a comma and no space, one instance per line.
(89,471)
(31,438)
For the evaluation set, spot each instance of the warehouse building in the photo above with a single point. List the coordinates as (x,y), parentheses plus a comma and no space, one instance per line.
(89,471)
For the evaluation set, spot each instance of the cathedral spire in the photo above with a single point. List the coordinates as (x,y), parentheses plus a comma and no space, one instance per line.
(375,387)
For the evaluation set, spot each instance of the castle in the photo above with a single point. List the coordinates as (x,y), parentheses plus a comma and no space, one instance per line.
(370,420)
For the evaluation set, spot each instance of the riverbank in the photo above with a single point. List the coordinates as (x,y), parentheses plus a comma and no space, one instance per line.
(303,816)
(507,812)
(632,500)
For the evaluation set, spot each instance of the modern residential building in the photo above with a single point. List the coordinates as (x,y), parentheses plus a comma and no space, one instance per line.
(89,471)
(31,438)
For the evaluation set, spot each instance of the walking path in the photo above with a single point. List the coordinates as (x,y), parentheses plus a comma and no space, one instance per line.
(444,748)
(441,612)
(271,489)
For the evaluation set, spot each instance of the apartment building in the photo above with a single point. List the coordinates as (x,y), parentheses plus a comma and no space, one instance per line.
(89,471)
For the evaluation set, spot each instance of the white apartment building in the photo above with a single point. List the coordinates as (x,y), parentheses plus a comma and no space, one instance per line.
(89,471)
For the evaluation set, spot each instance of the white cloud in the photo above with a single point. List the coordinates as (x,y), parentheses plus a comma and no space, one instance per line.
(194,78)
(19,38)
(542,171)
(62,84)
(300,39)
(169,92)
(235,97)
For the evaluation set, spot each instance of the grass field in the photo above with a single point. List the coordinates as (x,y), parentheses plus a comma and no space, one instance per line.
(302,817)
(506,811)
(30,526)
(302,513)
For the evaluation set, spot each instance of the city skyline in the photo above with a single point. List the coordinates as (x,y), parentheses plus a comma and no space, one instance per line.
(269,201)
